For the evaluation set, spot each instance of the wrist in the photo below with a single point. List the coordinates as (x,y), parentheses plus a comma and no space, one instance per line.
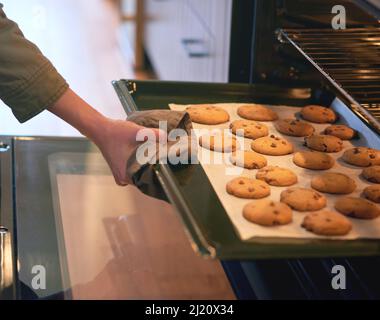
(95,127)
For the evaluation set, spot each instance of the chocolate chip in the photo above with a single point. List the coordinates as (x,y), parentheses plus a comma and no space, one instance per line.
(356,150)
(276,212)
(273,145)
(251,189)
(372,156)
(241,182)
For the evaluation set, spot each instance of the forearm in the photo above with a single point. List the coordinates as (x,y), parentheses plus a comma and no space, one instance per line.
(79,114)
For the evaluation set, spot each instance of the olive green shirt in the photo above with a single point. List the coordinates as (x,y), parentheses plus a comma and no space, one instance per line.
(29,83)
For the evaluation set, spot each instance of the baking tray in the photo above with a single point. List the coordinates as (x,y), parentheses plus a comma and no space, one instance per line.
(188,188)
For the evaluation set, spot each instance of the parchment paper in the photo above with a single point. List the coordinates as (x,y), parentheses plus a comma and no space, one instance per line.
(218,177)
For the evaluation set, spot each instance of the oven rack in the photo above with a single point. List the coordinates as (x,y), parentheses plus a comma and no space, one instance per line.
(349,59)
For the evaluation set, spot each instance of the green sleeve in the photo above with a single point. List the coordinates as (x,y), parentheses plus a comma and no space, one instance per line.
(29,83)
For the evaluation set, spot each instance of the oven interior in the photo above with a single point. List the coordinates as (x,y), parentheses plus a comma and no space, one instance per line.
(292,43)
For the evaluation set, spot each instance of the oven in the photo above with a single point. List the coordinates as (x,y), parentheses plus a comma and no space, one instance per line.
(282,51)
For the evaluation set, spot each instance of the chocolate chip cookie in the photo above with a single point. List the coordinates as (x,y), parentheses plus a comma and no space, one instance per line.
(218,142)
(327,223)
(247,188)
(372,193)
(294,127)
(303,199)
(324,143)
(207,114)
(267,213)
(272,145)
(372,174)
(318,114)
(277,176)
(248,159)
(362,156)
(333,182)
(256,112)
(341,131)
(357,208)
(249,129)
(313,160)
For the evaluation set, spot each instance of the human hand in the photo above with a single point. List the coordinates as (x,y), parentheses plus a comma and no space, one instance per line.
(116,140)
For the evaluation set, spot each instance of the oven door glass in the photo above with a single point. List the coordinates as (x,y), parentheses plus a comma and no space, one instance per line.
(80,236)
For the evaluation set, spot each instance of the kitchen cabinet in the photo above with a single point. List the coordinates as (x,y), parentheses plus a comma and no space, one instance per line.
(188,39)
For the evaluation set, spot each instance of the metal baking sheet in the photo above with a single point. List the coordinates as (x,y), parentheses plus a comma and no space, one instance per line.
(221,172)
(208,225)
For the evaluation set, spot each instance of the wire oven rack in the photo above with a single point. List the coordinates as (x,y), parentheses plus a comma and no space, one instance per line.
(349,59)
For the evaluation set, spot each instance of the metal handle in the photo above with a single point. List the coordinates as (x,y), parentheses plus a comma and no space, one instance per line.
(125,89)
(6,263)
(4,147)
(195,48)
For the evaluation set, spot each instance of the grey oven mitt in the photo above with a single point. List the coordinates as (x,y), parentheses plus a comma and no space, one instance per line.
(142,174)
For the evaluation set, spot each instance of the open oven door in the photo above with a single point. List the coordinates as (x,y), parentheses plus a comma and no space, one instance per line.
(69,232)
(37,174)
